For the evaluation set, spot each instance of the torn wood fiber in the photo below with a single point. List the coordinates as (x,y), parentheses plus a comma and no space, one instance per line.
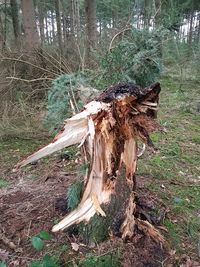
(109,127)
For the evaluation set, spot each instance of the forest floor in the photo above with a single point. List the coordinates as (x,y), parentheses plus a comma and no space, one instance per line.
(32,198)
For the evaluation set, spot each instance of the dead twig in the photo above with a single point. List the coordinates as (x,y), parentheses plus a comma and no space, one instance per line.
(29,63)
(9,243)
(117,34)
(30,81)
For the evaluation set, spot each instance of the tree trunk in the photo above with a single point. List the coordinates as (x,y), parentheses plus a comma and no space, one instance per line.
(58,23)
(78,20)
(76,16)
(146,15)
(32,40)
(41,22)
(157,21)
(47,30)
(190,35)
(198,33)
(90,9)
(15,21)
(2,36)
(52,25)
(109,128)
(72,32)
(4,43)
(64,26)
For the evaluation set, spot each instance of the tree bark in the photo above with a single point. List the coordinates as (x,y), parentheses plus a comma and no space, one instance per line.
(157,20)
(198,33)
(90,10)
(15,21)
(41,22)
(72,31)
(52,25)
(58,23)
(77,14)
(32,40)
(146,17)
(4,28)
(2,35)
(64,26)
(47,30)
(190,35)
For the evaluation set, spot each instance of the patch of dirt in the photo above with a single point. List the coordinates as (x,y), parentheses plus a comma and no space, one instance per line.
(140,252)
(29,206)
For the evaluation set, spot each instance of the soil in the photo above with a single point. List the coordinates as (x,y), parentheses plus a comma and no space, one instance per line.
(27,207)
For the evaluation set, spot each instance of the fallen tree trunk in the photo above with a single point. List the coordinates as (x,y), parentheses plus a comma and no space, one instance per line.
(109,128)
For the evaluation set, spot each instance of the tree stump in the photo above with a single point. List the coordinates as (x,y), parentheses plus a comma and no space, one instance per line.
(108,129)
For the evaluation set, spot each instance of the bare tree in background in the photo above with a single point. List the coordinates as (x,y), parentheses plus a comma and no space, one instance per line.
(58,23)
(32,40)
(41,21)
(15,21)
(90,9)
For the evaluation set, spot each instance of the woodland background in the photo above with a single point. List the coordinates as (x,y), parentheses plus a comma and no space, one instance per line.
(50,48)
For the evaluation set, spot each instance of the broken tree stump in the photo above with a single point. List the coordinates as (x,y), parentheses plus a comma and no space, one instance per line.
(109,128)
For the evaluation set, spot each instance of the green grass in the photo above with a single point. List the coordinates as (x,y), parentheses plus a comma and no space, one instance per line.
(176,166)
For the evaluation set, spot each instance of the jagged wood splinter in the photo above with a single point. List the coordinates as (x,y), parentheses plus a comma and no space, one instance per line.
(109,128)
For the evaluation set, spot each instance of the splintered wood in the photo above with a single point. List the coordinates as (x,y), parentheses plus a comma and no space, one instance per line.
(109,128)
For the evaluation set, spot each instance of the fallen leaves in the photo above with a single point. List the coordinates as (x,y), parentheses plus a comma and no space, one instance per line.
(75,246)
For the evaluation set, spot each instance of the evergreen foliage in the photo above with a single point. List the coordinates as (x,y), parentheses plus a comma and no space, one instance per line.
(134,59)
(74,195)
(62,89)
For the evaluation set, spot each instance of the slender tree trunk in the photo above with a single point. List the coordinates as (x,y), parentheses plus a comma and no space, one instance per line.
(90,9)
(32,40)
(58,23)
(76,16)
(47,29)
(64,20)
(5,25)
(52,25)
(100,28)
(15,21)
(72,31)
(191,26)
(41,22)
(198,34)
(157,20)
(2,36)
(146,15)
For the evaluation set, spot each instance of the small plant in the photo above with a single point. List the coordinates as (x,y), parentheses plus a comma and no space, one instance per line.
(44,235)
(74,194)
(37,241)
(48,261)
(3,183)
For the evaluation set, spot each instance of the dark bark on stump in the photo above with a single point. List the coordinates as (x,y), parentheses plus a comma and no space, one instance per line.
(99,228)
